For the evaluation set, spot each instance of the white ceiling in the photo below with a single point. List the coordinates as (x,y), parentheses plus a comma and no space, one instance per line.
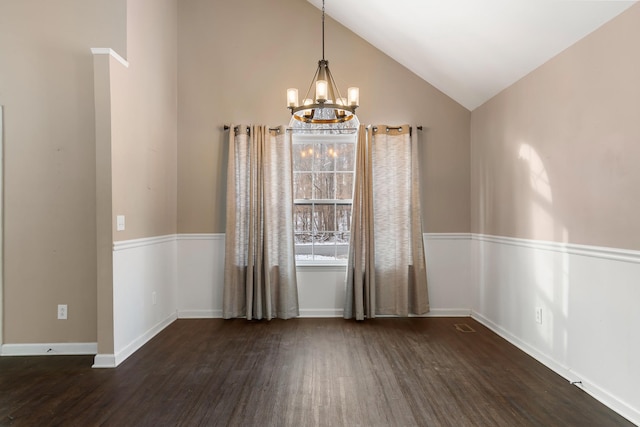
(472,49)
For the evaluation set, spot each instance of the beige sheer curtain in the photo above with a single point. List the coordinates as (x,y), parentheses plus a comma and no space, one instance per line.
(386,274)
(260,271)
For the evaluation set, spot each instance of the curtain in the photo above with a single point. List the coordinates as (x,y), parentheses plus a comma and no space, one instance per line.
(386,273)
(360,286)
(260,271)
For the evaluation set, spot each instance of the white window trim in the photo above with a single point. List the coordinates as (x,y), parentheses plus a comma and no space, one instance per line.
(315,138)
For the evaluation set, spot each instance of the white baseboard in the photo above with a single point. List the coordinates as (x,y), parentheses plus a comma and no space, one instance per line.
(49,349)
(598,393)
(573,377)
(104,361)
(200,314)
(320,312)
(127,351)
(113,360)
(447,312)
(548,362)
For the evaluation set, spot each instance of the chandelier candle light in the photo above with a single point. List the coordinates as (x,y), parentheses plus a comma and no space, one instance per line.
(328,106)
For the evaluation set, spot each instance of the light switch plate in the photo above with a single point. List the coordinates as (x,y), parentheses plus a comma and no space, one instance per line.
(120,223)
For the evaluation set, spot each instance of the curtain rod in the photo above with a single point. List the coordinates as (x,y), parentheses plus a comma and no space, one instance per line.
(235,128)
(375,128)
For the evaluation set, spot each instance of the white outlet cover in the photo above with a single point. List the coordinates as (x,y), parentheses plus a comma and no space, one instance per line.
(62,311)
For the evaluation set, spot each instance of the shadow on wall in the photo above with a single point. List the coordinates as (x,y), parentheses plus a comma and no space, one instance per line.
(586,295)
(548,294)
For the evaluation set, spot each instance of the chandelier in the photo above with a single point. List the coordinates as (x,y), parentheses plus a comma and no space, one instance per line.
(327,106)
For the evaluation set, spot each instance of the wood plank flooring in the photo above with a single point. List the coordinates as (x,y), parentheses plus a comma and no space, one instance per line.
(302,372)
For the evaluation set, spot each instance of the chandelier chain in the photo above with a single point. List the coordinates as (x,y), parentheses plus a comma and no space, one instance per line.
(327,106)
(323,30)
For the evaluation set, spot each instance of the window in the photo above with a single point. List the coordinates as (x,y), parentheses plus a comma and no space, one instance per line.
(323,173)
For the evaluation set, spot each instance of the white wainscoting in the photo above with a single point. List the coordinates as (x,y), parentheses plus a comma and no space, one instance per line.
(200,275)
(144,293)
(448,258)
(589,298)
(321,288)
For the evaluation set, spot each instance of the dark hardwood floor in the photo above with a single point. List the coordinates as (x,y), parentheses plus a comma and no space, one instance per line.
(302,372)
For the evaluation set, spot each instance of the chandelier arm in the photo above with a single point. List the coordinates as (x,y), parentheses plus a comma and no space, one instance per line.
(335,86)
(313,80)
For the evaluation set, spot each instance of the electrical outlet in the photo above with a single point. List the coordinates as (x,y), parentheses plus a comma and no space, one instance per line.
(62,311)
(539,315)
(153,298)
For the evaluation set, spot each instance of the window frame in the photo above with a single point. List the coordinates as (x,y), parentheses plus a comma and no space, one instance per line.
(322,138)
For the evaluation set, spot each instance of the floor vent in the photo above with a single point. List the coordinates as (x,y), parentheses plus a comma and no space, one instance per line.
(463,327)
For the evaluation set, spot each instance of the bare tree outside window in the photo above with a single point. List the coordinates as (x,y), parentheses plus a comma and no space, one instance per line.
(323,172)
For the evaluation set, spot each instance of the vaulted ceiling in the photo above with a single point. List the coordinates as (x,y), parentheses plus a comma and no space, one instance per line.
(472,49)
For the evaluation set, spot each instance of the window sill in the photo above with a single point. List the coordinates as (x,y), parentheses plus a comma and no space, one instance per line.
(321,266)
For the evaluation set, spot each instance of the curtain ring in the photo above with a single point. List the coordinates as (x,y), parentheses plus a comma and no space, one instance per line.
(237,130)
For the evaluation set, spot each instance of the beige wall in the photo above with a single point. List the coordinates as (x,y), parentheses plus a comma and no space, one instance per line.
(144,145)
(137,176)
(236,60)
(554,157)
(46,87)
